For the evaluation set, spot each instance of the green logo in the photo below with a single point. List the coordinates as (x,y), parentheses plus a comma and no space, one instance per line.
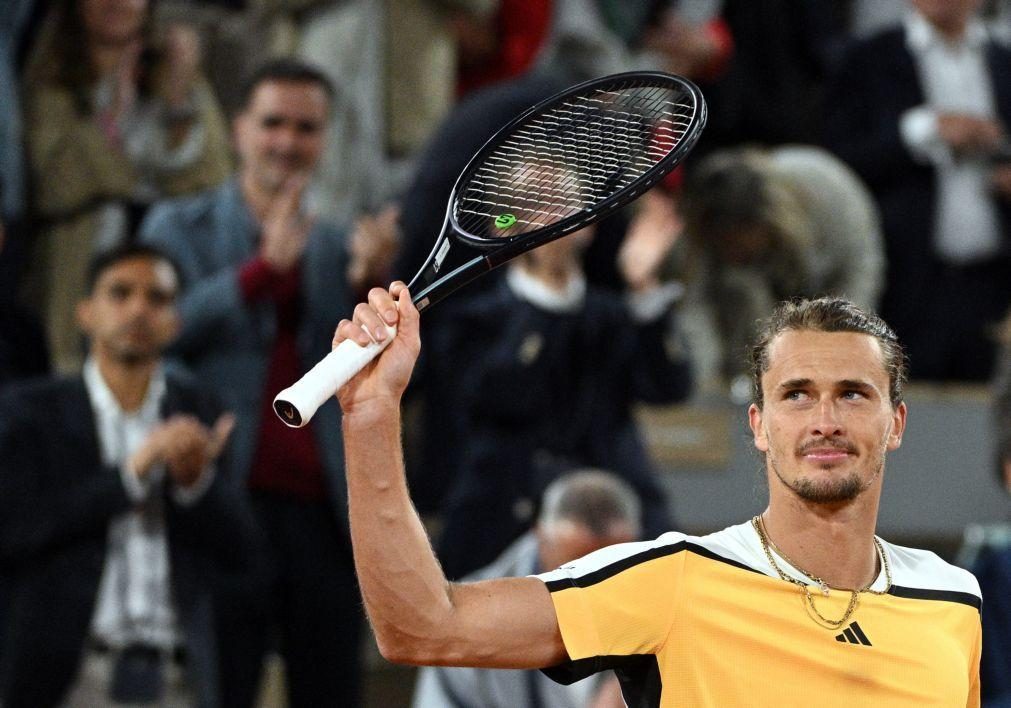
(504,221)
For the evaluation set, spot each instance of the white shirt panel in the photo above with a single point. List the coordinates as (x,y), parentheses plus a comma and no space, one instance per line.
(910,567)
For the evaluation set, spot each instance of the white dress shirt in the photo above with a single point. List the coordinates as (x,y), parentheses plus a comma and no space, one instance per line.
(955,80)
(645,306)
(134,602)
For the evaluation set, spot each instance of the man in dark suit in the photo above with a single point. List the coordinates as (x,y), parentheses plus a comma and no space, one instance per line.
(113,519)
(921,112)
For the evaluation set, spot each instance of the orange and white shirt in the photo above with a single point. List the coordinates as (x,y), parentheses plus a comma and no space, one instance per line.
(707,621)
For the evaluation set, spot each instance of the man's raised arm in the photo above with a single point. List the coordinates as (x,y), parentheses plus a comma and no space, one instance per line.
(417,615)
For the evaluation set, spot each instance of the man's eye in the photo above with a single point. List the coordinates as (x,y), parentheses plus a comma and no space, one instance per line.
(159,298)
(853,395)
(794,395)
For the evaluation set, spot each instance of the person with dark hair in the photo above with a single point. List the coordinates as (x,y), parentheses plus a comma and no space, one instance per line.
(284,70)
(115,519)
(117,116)
(262,283)
(802,603)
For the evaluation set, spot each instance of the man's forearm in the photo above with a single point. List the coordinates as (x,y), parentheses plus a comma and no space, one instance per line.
(405,591)
(419,617)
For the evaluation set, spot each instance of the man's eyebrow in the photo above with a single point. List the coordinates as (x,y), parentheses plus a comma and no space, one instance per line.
(794,383)
(857,384)
(843,383)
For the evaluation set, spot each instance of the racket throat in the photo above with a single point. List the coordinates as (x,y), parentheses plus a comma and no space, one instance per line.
(446,282)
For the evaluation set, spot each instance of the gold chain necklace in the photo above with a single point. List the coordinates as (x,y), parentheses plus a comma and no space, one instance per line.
(763,536)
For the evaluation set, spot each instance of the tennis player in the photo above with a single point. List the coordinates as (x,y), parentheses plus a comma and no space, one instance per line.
(801,605)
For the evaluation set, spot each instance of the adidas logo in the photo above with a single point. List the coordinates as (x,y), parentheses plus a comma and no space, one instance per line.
(854,635)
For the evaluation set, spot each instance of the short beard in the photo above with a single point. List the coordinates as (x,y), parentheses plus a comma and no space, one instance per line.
(835,491)
(832,492)
(133,357)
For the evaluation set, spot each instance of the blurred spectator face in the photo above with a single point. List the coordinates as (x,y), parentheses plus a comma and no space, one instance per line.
(564,541)
(112,21)
(947,14)
(280,132)
(130,314)
(559,254)
(746,244)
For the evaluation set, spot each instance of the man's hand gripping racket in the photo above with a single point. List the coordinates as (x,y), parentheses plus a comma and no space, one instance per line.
(560,166)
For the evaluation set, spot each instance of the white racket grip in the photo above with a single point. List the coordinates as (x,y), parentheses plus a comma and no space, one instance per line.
(297,404)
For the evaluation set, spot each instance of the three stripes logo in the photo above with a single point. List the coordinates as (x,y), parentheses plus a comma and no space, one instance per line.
(853,635)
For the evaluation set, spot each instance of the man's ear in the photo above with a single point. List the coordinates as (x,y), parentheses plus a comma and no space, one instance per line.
(175,323)
(761,441)
(239,123)
(898,426)
(84,315)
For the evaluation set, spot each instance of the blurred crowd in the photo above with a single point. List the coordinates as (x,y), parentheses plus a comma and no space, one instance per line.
(194,192)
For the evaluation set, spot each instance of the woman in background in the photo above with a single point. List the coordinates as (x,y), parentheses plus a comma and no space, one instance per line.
(117,117)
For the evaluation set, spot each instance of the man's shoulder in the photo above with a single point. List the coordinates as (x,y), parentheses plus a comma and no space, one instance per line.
(925,574)
(886,42)
(730,545)
(187,210)
(25,401)
(1001,51)
(888,38)
(40,389)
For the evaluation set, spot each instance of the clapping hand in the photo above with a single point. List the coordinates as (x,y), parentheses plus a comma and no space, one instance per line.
(374,244)
(969,135)
(652,234)
(185,446)
(286,228)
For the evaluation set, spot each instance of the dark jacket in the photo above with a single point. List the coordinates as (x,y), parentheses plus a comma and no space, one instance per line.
(877,82)
(537,394)
(57,499)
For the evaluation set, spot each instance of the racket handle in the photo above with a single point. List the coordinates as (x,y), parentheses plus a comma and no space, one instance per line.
(297,404)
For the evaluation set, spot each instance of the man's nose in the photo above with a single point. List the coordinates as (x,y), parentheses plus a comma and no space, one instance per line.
(287,138)
(139,304)
(826,421)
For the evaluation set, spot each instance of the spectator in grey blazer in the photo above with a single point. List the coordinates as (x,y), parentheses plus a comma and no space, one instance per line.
(263,286)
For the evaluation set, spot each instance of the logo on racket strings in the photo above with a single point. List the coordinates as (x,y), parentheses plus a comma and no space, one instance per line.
(504,221)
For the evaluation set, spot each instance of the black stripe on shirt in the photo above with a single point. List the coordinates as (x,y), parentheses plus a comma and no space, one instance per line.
(965,598)
(649,554)
(631,561)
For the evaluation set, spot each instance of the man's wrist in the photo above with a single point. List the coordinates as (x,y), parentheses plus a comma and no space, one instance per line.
(375,411)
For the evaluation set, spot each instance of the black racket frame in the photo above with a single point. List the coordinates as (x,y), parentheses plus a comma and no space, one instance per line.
(481,255)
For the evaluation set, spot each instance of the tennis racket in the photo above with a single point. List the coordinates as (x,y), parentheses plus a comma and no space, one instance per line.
(558,167)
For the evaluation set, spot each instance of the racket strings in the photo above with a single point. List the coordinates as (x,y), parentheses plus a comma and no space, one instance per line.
(572,157)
